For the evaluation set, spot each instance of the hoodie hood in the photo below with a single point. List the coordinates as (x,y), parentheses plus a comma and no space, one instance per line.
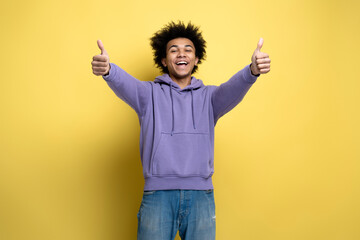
(194,84)
(166,79)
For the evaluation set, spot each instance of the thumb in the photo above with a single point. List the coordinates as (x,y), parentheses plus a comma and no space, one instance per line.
(260,44)
(101,46)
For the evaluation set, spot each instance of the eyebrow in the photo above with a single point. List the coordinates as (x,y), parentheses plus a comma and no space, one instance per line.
(178,46)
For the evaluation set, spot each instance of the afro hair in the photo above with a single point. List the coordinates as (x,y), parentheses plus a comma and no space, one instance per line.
(177,30)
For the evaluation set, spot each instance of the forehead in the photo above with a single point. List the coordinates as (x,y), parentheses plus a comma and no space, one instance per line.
(180,42)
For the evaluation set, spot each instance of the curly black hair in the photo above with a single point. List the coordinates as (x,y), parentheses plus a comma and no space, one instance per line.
(176,30)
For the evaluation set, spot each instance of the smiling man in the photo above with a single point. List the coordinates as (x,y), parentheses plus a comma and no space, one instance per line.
(180,60)
(177,114)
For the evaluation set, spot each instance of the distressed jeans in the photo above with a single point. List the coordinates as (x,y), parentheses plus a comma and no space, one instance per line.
(164,212)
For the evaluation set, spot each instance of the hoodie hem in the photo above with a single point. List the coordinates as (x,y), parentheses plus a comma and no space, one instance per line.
(167,183)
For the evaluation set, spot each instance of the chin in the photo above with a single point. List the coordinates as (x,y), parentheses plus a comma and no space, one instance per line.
(182,74)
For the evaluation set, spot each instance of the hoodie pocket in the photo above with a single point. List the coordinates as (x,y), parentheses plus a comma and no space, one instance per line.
(182,154)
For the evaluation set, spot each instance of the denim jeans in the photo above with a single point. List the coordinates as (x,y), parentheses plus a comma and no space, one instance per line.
(164,212)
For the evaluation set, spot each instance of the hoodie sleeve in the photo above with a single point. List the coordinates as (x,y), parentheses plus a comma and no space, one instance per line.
(226,96)
(134,92)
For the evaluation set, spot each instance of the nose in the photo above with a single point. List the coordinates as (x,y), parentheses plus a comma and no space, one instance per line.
(181,53)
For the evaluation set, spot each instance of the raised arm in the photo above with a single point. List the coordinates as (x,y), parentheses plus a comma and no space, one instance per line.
(132,91)
(226,96)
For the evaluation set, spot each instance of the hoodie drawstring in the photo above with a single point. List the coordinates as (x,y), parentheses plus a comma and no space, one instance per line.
(192,108)
(172,110)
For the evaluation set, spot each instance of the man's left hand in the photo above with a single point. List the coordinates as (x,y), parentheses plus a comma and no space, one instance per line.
(260,62)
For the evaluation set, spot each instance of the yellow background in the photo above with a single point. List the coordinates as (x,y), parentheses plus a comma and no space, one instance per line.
(286,159)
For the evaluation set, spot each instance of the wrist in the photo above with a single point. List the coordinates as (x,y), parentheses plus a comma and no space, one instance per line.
(107,73)
(253,72)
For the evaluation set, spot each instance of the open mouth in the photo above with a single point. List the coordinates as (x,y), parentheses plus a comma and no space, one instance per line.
(182,63)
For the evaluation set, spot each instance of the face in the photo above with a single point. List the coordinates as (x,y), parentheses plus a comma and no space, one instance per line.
(180,58)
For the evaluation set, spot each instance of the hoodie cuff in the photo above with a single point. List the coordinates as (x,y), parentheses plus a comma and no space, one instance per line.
(248,76)
(112,73)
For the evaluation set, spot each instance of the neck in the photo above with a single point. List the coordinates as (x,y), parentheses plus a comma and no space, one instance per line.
(181,81)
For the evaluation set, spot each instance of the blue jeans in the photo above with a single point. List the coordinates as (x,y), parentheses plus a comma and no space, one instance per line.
(163,212)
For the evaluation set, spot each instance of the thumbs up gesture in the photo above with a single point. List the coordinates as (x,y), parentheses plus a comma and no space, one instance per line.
(101,63)
(260,62)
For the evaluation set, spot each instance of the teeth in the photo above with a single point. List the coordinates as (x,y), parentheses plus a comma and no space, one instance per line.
(183,62)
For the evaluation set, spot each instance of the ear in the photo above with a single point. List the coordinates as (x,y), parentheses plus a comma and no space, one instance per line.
(196,61)
(163,61)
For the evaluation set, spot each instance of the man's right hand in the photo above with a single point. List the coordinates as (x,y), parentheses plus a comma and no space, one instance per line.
(101,63)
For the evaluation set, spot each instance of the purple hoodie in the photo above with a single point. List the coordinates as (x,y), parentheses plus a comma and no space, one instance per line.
(177,125)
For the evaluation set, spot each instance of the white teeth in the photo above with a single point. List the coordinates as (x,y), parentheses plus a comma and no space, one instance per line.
(182,62)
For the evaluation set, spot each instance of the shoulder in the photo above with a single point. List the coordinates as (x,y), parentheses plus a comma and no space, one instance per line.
(210,88)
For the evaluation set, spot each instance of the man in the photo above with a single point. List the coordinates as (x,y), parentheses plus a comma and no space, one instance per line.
(177,114)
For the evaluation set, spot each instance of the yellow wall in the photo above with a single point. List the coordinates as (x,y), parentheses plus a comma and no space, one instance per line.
(286,159)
